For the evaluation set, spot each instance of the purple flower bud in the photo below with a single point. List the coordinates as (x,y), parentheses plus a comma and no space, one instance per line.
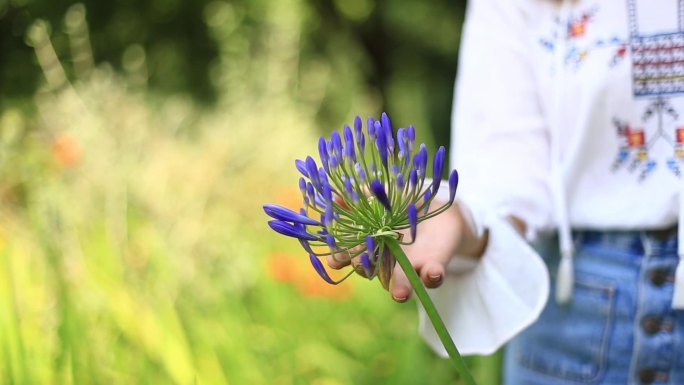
(320,269)
(348,185)
(381,143)
(400,180)
(330,240)
(306,246)
(437,169)
(349,144)
(320,202)
(328,216)
(427,197)
(327,193)
(291,230)
(413,177)
(366,265)
(413,220)
(310,192)
(301,166)
(395,169)
(360,172)
(379,191)
(302,185)
(371,127)
(334,163)
(358,132)
(386,123)
(337,145)
(300,226)
(361,142)
(411,133)
(285,214)
(323,152)
(420,161)
(390,141)
(402,141)
(312,170)
(387,129)
(370,245)
(357,125)
(402,156)
(453,184)
(327,188)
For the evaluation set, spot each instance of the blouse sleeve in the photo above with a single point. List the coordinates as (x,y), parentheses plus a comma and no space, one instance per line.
(500,146)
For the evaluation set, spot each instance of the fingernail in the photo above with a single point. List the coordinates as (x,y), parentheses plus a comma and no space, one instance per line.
(400,299)
(435,278)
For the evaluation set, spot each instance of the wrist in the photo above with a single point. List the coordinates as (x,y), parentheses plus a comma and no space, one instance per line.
(473,236)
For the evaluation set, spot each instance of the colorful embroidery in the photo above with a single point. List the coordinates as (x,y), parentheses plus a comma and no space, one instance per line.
(577,48)
(657,75)
(658,64)
(633,152)
(635,142)
(677,159)
(657,60)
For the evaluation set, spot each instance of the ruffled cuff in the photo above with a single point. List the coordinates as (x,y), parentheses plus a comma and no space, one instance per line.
(485,303)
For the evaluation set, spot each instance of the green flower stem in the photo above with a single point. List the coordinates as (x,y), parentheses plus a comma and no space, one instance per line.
(430,309)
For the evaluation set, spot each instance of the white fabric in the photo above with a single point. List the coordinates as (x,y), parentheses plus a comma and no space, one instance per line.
(621,140)
(678,295)
(503,294)
(565,279)
(503,112)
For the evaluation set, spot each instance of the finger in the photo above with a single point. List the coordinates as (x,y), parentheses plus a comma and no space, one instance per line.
(356,264)
(400,287)
(336,262)
(432,274)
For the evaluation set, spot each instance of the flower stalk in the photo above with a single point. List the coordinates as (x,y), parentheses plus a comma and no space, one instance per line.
(361,201)
(431,311)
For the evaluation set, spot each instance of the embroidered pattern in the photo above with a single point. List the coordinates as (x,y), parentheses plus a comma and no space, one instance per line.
(677,159)
(657,75)
(657,60)
(578,48)
(635,144)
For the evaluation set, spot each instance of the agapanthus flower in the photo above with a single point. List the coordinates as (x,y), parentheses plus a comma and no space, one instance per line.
(357,196)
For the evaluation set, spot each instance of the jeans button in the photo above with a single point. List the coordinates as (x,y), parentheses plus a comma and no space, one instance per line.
(658,277)
(651,325)
(647,375)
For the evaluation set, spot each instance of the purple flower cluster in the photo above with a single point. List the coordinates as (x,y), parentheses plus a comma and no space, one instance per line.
(359,196)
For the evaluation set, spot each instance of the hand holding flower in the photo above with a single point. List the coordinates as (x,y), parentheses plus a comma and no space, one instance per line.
(367,199)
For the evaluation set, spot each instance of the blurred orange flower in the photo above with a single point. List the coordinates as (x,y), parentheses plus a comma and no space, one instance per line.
(298,273)
(310,284)
(289,197)
(66,150)
(283,267)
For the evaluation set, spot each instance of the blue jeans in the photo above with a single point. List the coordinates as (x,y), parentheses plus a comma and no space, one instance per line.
(619,328)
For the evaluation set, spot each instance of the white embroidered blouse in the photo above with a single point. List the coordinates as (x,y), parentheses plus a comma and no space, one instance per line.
(567,114)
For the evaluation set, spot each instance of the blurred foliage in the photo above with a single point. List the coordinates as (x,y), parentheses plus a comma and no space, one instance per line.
(398,56)
(133,248)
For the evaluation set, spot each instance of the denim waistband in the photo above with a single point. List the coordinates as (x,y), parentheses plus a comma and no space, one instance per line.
(649,241)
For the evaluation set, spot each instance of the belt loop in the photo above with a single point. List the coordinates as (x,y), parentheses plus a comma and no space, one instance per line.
(578,238)
(646,243)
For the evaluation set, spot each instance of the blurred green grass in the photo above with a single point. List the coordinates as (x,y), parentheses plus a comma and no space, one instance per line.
(133,247)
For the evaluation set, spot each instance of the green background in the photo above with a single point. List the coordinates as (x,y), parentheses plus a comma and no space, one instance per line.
(138,141)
